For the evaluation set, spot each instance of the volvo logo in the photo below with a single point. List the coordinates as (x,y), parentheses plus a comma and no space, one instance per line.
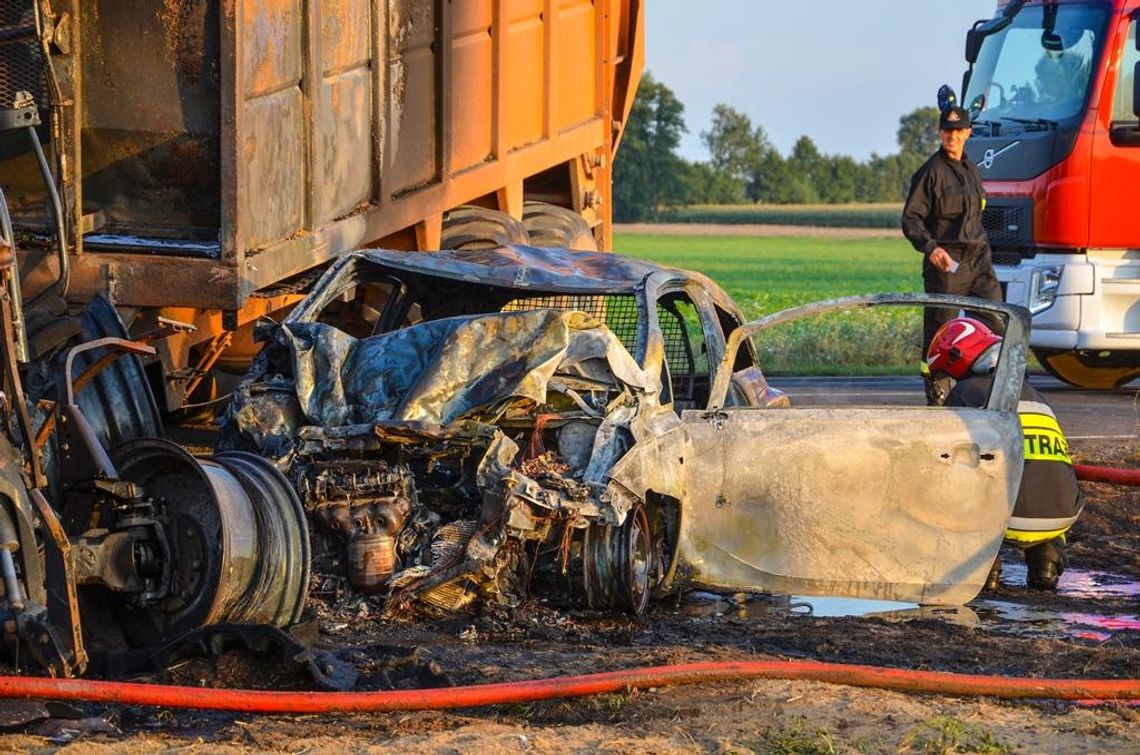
(992,154)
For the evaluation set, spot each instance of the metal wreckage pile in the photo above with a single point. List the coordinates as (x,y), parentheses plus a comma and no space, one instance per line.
(454,460)
(450,430)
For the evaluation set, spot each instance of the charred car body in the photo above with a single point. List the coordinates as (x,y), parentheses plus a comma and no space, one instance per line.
(459,424)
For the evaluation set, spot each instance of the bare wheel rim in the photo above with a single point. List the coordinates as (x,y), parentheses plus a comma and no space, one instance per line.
(639,563)
(618,564)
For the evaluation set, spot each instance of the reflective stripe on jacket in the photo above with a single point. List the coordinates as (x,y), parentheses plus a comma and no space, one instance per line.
(1050,498)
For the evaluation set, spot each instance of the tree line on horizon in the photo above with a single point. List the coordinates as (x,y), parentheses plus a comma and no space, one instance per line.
(650,178)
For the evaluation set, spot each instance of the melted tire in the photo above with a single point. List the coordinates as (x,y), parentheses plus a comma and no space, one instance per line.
(554,226)
(470,227)
(1095,370)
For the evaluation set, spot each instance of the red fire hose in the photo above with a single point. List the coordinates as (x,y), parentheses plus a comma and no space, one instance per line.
(253,701)
(1108,474)
(903,680)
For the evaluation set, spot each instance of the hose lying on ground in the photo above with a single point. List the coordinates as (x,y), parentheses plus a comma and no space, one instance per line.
(255,701)
(1108,474)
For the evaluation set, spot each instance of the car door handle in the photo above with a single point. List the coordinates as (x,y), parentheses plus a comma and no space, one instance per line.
(966,453)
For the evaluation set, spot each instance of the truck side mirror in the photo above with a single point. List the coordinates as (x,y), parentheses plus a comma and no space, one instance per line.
(986,28)
(973,45)
(1127,133)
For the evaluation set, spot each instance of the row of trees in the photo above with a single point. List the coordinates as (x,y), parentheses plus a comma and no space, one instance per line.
(744,166)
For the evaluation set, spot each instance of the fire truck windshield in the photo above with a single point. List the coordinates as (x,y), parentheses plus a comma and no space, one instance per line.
(1036,72)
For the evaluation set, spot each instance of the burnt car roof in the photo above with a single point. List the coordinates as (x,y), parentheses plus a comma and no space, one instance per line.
(528,267)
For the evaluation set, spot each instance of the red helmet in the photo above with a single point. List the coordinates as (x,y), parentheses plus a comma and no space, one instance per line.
(957,345)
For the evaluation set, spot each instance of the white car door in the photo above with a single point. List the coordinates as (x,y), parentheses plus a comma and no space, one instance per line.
(891,503)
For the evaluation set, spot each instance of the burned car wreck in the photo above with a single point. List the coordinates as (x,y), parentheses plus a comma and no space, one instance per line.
(463,444)
(410,462)
(464,426)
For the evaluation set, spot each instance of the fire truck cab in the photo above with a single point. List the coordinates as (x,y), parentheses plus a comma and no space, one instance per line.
(1056,136)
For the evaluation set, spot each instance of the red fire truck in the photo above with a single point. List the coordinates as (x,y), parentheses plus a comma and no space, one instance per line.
(1054,88)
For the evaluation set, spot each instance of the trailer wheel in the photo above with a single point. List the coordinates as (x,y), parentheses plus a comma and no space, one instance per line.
(470,227)
(118,401)
(1097,370)
(551,225)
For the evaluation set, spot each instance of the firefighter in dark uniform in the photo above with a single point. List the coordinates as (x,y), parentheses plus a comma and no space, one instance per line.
(942,219)
(1050,498)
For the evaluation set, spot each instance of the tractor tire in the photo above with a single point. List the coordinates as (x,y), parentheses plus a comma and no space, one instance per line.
(470,227)
(551,225)
(50,327)
(1096,370)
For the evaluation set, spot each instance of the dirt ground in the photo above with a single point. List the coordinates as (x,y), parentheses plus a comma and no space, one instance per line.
(759,716)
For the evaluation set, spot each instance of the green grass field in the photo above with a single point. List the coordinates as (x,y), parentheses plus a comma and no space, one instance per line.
(766,275)
(826,215)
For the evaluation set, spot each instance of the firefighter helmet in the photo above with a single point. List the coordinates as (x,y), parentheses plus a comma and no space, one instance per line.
(958,344)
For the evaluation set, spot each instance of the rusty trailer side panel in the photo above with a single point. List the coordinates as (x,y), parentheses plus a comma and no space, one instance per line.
(222,147)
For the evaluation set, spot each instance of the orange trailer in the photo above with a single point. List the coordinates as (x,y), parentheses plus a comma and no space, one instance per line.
(209,155)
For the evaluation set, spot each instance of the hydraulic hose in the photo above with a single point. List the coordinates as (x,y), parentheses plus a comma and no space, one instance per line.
(9,543)
(256,701)
(8,239)
(1108,474)
(64,278)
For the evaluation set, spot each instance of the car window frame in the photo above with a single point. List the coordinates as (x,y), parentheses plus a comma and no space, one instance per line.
(1008,375)
(665,283)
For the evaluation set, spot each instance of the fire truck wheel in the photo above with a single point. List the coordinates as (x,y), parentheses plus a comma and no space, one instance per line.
(470,227)
(1097,370)
(551,225)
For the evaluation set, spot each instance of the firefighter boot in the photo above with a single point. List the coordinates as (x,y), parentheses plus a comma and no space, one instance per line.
(1045,563)
(993,580)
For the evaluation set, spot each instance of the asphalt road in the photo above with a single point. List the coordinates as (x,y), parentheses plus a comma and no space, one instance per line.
(1084,415)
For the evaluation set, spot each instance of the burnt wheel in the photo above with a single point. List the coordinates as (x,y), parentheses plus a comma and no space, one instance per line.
(1098,370)
(470,227)
(618,564)
(551,225)
(232,547)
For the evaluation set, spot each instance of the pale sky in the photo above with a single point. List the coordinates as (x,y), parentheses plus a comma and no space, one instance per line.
(838,71)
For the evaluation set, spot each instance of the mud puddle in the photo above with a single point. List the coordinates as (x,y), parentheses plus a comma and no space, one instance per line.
(1028,621)
(1024,618)
(1079,583)
(1031,614)
(746,605)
